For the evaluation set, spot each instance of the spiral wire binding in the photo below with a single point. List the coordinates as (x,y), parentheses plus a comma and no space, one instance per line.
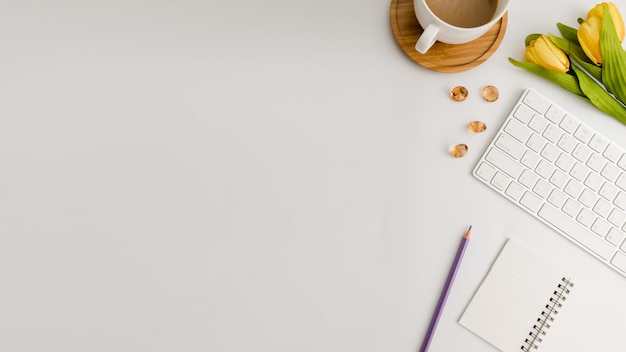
(547,316)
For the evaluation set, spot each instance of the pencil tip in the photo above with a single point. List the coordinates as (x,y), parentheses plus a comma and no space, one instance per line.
(467,233)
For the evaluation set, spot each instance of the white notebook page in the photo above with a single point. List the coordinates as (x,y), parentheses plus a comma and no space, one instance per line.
(514,293)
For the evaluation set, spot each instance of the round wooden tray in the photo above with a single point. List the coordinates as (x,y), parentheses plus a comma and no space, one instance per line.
(443,57)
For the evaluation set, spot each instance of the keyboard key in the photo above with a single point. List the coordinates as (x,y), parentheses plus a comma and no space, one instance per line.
(619,260)
(523,113)
(559,179)
(544,169)
(536,143)
(586,217)
(500,181)
(528,179)
(613,153)
(504,163)
(550,152)
(538,124)
(552,133)
(602,208)
(622,162)
(515,191)
(583,134)
(510,146)
(571,228)
(567,143)
(596,162)
(542,188)
(588,198)
(579,172)
(573,188)
(536,102)
(557,198)
(598,143)
(621,181)
(554,114)
(620,200)
(593,181)
(530,159)
(617,218)
(531,201)
(564,162)
(615,237)
(486,171)
(581,152)
(569,124)
(608,191)
(571,207)
(610,172)
(517,130)
(600,227)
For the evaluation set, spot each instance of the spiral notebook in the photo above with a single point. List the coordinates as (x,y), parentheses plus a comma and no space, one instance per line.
(526,303)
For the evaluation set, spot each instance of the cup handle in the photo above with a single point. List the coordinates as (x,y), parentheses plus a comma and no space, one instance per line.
(427,39)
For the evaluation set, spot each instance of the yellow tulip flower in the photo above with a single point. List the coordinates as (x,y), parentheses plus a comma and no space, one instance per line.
(544,52)
(598,11)
(589,31)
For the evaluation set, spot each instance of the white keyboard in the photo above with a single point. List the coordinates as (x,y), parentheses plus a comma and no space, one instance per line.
(562,172)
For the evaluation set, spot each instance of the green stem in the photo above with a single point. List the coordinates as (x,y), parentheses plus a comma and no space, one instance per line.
(564,80)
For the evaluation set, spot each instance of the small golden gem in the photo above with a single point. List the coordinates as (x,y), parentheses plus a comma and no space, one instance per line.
(459,150)
(459,93)
(490,93)
(477,126)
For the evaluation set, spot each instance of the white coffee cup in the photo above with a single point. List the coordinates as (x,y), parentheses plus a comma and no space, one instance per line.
(471,20)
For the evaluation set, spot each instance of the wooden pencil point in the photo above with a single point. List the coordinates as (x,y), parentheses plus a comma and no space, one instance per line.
(467,233)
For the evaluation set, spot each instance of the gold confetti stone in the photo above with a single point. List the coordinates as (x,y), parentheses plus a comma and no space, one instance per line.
(459,150)
(490,93)
(477,126)
(459,93)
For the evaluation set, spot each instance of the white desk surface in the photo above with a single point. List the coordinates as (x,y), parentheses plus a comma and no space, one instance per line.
(250,175)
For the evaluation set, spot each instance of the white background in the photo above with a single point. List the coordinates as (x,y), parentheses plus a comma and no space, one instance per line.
(250,175)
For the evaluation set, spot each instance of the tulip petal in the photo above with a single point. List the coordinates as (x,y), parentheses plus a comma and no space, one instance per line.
(618,22)
(558,54)
(545,53)
(589,39)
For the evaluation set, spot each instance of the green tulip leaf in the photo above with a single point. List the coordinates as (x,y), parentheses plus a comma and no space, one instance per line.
(613,58)
(569,33)
(564,80)
(530,38)
(600,98)
(595,71)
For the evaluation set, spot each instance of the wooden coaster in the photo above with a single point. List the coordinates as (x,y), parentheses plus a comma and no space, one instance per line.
(443,57)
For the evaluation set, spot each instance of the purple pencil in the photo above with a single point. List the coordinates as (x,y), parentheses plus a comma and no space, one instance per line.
(446,290)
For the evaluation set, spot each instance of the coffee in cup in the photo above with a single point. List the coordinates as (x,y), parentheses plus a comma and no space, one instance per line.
(466,13)
(456,21)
